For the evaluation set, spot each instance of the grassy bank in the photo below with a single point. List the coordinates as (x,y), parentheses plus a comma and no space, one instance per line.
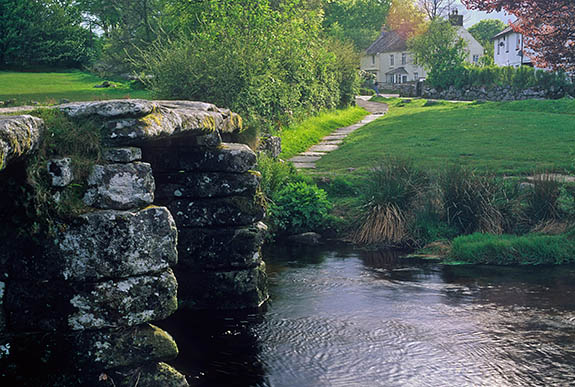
(435,171)
(52,87)
(508,138)
(531,249)
(300,137)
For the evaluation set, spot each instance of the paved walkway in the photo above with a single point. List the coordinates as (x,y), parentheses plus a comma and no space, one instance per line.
(307,159)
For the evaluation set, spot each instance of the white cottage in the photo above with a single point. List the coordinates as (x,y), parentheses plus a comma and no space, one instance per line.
(509,49)
(390,61)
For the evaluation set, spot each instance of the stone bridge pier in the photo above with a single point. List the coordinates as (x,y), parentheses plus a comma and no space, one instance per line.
(171,218)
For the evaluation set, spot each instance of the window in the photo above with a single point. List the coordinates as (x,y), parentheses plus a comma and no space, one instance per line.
(506,44)
(391,60)
(373,59)
(403,59)
(475,59)
(415,76)
(498,43)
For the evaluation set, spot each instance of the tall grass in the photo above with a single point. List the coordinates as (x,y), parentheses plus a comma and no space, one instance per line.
(388,194)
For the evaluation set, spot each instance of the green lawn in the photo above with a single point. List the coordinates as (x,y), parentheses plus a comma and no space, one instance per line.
(508,138)
(51,87)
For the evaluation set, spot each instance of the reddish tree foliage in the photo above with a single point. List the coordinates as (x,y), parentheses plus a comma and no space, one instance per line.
(548,27)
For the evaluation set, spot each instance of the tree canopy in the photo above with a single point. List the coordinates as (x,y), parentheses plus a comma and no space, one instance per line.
(47,33)
(548,27)
(440,50)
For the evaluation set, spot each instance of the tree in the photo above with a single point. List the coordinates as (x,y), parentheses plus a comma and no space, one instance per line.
(548,27)
(440,50)
(435,8)
(46,33)
(406,18)
(359,21)
(484,31)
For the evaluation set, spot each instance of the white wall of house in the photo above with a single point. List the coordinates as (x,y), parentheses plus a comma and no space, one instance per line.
(474,49)
(507,49)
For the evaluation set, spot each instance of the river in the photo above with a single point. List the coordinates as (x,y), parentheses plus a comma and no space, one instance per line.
(345,317)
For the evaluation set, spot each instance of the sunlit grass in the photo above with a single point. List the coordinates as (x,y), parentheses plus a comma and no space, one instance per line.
(52,87)
(507,138)
(298,138)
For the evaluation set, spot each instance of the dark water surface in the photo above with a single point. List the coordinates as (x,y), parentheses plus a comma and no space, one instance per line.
(343,317)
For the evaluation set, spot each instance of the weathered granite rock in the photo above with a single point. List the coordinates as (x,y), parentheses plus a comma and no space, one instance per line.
(227,290)
(120,186)
(106,109)
(113,348)
(232,211)
(224,249)
(229,157)
(270,145)
(87,352)
(78,306)
(205,185)
(122,155)
(153,375)
(19,136)
(132,122)
(103,245)
(60,171)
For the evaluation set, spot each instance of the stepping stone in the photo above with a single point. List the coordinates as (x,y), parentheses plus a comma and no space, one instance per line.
(323,148)
(304,165)
(304,159)
(335,137)
(331,142)
(312,154)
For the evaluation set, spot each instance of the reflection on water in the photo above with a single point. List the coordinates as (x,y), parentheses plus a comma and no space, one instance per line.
(342,317)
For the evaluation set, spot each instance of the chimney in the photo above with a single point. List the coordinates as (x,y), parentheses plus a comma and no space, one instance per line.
(456,19)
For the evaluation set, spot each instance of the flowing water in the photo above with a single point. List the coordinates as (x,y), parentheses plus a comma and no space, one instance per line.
(343,317)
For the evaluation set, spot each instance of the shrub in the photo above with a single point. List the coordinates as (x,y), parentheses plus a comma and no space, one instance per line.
(388,193)
(556,84)
(299,207)
(531,249)
(275,174)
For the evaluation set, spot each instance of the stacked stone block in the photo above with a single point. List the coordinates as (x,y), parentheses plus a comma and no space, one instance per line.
(213,193)
(76,306)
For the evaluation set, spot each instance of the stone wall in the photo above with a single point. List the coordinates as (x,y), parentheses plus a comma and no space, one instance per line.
(500,93)
(76,303)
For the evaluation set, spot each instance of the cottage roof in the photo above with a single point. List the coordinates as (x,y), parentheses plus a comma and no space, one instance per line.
(504,32)
(388,41)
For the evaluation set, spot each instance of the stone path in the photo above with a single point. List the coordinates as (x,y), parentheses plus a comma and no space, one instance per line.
(307,159)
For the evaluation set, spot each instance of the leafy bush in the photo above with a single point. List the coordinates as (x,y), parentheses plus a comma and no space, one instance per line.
(299,207)
(231,59)
(531,249)
(275,174)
